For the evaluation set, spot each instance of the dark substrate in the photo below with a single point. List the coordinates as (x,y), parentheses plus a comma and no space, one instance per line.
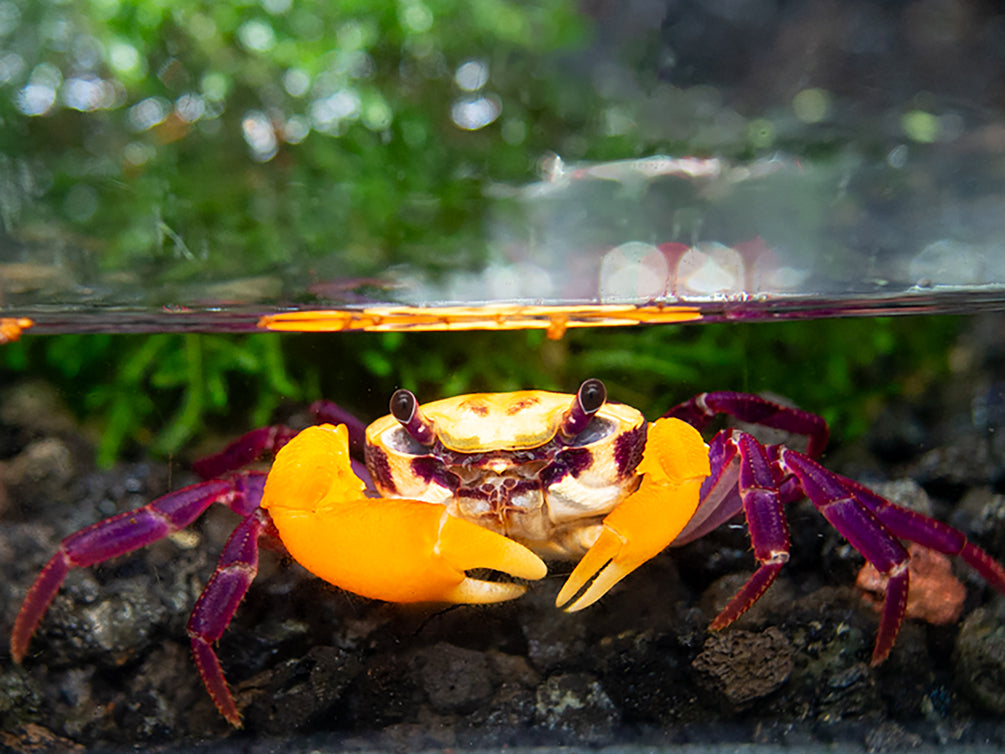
(313,667)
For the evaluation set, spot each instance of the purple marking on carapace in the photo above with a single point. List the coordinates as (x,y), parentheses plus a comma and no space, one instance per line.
(569,461)
(430,469)
(380,470)
(628,448)
(514,457)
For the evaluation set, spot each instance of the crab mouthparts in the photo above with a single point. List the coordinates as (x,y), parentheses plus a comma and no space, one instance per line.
(498,492)
(498,466)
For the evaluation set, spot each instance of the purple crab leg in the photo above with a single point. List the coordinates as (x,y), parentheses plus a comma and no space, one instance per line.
(701,409)
(252,445)
(246,449)
(759,487)
(761,480)
(124,533)
(218,602)
(839,502)
(720,495)
(720,498)
(931,533)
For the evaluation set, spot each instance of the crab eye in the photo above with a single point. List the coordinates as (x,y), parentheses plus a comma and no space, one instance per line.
(403,405)
(592,395)
(406,410)
(589,398)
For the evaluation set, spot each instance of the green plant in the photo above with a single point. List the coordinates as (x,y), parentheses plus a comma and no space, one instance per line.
(127,384)
(164,390)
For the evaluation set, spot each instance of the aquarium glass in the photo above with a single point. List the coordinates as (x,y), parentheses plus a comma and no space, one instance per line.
(435,165)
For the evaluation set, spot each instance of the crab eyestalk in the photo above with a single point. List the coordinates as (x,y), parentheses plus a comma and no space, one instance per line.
(406,410)
(589,399)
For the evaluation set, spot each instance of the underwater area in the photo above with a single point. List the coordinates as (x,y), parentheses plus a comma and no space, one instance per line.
(315,667)
(212,216)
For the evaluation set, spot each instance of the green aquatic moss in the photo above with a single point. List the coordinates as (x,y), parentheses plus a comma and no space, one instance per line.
(168,391)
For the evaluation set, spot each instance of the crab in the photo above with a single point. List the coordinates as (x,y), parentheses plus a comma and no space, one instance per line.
(505,481)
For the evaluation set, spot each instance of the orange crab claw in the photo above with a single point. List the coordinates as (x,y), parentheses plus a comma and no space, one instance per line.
(387,549)
(673,467)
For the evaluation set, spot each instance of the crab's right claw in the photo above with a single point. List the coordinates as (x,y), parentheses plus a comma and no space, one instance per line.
(387,549)
(673,467)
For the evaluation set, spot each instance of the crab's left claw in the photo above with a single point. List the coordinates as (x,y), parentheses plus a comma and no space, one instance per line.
(387,549)
(673,467)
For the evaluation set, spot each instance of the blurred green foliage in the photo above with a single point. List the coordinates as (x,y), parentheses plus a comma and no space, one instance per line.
(167,391)
(158,390)
(190,140)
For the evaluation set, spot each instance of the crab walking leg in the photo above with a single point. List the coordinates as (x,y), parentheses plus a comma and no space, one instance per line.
(865,531)
(218,602)
(246,449)
(673,467)
(701,409)
(124,533)
(252,445)
(389,549)
(763,506)
(931,533)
